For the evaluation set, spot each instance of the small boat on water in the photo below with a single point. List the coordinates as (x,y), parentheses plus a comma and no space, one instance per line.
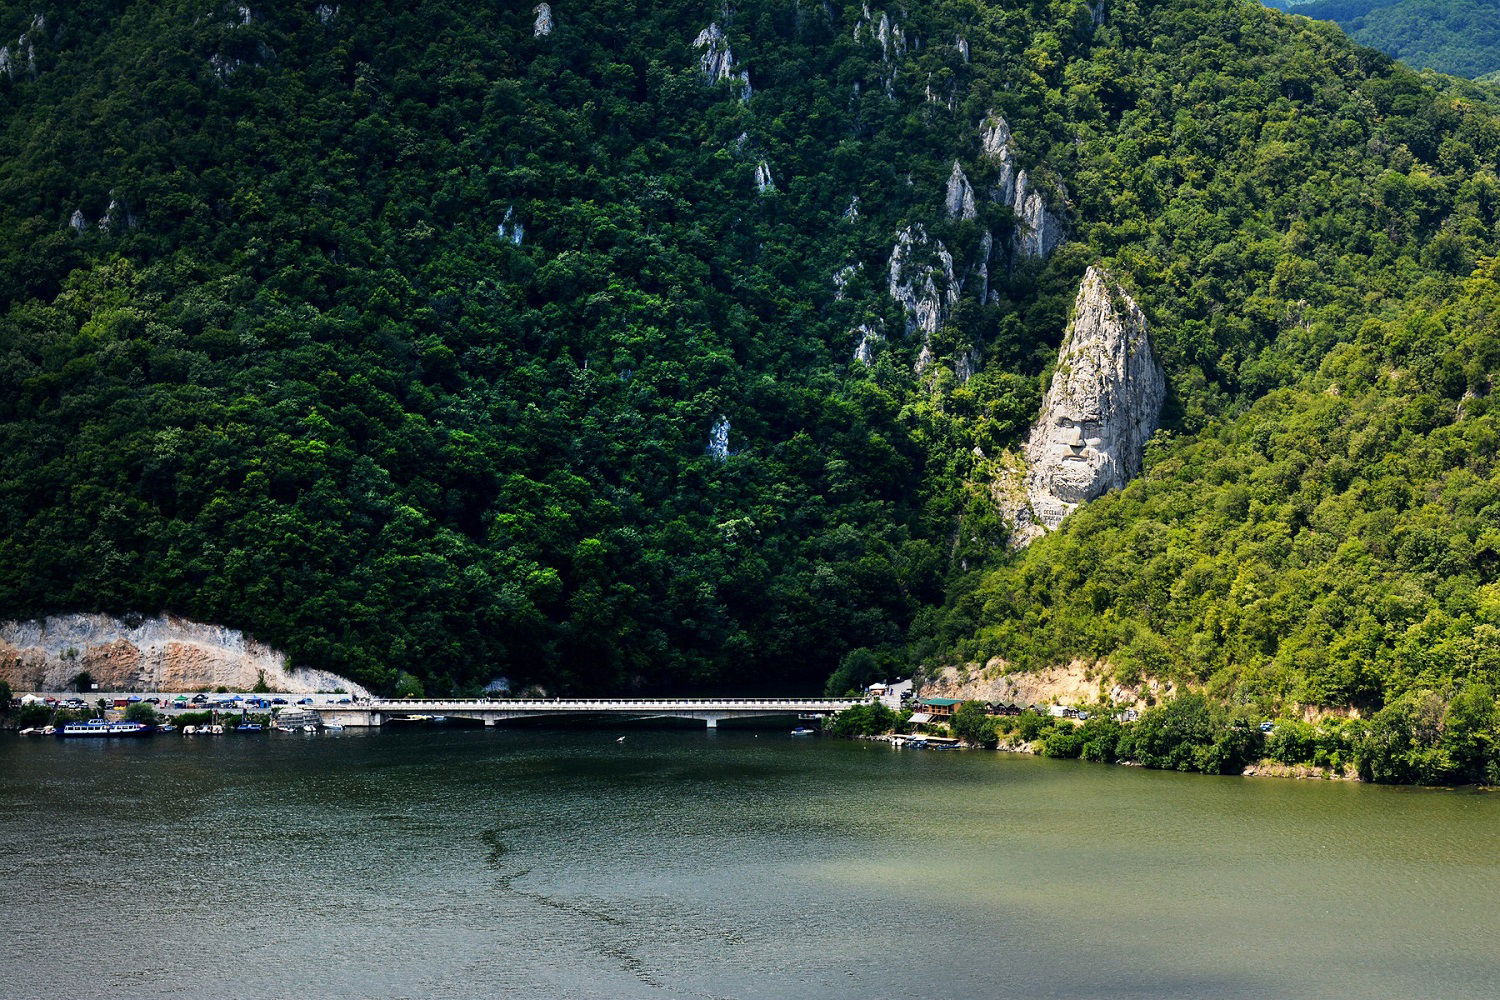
(309,729)
(169,728)
(103,727)
(333,727)
(249,727)
(804,731)
(189,730)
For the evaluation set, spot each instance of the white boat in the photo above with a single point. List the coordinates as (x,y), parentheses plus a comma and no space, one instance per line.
(309,729)
(189,730)
(29,731)
(103,727)
(333,727)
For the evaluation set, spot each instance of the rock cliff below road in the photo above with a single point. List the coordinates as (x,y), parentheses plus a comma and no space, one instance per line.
(164,653)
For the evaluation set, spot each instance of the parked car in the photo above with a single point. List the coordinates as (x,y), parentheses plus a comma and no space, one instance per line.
(278,701)
(200,699)
(304,701)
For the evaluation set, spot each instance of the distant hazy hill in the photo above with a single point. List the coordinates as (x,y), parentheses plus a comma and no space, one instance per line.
(1461,37)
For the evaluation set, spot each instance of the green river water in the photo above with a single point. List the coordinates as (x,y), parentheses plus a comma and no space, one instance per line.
(563,863)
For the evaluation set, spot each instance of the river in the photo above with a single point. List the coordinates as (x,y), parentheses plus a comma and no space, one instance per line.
(565,863)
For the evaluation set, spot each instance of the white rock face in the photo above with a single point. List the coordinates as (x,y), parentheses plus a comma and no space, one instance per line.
(717,61)
(326,12)
(852,212)
(994,139)
(891,38)
(718,440)
(77,222)
(224,67)
(510,228)
(869,337)
(961,44)
(923,281)
(543,25)
(841,279)
(1104,402)
(959,201)
(982,265)
(116,216)
(7,66)
(1041,230)
(164,653)
(763,181)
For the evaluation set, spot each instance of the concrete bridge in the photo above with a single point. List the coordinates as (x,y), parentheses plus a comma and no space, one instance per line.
(375,712)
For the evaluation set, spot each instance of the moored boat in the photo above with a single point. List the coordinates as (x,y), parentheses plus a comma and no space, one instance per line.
(103,727)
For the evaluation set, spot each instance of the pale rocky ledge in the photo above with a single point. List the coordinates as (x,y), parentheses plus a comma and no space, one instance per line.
(164,653)
(1103,404)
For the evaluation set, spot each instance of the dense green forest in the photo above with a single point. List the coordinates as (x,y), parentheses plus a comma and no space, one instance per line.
(430,347)
(1461,37)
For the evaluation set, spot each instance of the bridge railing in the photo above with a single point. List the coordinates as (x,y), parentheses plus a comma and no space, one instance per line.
(684,704)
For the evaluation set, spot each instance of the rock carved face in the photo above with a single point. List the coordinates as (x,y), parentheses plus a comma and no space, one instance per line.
(1072,460)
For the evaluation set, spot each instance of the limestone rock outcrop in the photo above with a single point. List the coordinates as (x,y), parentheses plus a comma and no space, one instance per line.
(763,182)
(869,337)
(542,27)
(717,61)
(1040,228)
(718,440)
(164,653)
(923,281)
(510,230)
(1104,402)
(959,200)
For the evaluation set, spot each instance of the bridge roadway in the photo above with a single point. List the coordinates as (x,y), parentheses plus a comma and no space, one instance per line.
(375,712)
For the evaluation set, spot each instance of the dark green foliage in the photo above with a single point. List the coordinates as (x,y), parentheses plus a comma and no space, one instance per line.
(5,697)
(312,394)
(1427,739)
(1292,742)
(867,719)
(1191,733)
(1031,725)
(857,670)
(1451,36)
(140,712)
(971,724)
(1337,544)
(32,715)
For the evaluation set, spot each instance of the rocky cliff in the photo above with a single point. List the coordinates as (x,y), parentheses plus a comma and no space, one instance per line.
(1103,403)
(164,653)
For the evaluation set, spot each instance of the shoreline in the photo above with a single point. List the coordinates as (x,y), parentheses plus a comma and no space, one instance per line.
(1264,768)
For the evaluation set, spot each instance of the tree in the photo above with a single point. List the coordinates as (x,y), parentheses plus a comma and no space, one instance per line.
(5,697)
(973,725)
(141,712)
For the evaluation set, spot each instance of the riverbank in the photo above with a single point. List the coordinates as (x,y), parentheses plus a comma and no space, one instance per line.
(1264,768)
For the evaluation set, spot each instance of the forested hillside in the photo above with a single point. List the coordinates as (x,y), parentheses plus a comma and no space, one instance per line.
(1461,37)
(431,342)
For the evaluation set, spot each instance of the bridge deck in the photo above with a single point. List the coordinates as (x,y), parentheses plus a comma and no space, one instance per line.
(373,712)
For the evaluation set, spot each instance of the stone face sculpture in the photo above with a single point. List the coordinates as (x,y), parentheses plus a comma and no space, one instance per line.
(1104,402)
